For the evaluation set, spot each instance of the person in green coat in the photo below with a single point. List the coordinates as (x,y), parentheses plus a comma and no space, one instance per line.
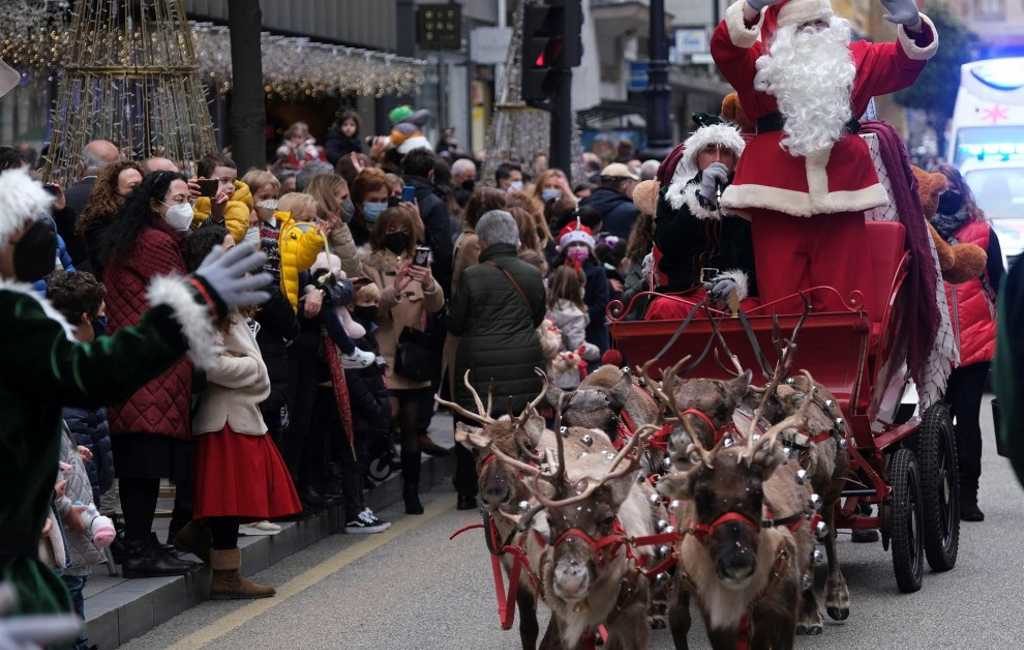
(44,368)
(495,311)
(1008,369)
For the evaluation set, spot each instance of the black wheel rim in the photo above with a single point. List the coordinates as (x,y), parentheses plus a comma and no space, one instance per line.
(916,526)
(946,501)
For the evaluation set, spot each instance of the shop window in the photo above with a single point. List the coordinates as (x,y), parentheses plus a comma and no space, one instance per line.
(990,9)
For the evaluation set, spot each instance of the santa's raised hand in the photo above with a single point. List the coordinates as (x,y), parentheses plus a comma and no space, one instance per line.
(901,12)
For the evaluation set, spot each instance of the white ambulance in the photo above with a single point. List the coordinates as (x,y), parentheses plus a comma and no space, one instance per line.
(987,144)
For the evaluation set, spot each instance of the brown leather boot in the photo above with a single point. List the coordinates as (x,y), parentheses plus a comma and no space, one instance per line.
(228,583)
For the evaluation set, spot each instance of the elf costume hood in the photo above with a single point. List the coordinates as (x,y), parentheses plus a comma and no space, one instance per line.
(681,186)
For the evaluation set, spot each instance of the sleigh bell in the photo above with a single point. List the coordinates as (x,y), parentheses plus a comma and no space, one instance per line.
(821,531)
(815,502)
(801,476)
(587,439)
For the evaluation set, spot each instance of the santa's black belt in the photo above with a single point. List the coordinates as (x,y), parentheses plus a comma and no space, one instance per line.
(775,122)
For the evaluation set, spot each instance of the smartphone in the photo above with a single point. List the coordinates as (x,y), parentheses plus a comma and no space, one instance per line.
(408,194)
(394,201)
(421,257)
(52,189)
(208,187)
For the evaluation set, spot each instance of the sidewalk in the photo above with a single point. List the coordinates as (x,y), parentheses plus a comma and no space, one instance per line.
(118,610)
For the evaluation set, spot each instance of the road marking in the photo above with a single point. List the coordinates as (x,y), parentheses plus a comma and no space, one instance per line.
(309,578)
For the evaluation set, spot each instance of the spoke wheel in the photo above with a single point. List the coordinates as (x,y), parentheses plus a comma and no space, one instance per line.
(936,451)
(906,519)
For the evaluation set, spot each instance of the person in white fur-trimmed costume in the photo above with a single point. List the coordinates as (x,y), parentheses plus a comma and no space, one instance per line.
(698,244)
(806,178)
(45,368)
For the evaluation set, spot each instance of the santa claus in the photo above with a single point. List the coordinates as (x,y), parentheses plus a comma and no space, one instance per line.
(806,178)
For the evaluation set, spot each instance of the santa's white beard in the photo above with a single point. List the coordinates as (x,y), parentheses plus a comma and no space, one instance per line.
(810,74)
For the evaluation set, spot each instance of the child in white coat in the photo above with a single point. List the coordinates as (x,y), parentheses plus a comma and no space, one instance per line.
(567,312)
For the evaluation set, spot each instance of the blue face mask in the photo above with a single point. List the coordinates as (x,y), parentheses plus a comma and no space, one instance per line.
(550,194)
(372,210)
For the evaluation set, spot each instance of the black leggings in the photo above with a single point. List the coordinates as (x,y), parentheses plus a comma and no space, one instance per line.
(224,531)
(138,500)
(963,393)
(410,404)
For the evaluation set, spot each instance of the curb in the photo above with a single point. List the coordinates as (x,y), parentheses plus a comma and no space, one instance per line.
(131,608)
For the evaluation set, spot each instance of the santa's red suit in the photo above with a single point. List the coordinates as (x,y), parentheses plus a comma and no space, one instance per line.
(779,191)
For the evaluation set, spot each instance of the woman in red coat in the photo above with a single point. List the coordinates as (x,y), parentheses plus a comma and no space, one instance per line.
(150,432)
(959,220)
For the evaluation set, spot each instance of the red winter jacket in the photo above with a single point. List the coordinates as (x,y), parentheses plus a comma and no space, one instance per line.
(972,305)
(161,406)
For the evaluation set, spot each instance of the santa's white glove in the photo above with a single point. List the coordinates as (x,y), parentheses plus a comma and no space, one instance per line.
(714,176)
(226,273)
(758,5)
(902,12)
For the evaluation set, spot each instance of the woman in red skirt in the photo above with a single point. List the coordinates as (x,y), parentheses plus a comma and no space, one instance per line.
(239,474)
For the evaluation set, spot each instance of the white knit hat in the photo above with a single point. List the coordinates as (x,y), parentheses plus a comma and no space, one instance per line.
(798,12)
(22,201)
(576,233)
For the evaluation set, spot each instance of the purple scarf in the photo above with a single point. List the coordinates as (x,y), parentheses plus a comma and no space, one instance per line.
(919,323)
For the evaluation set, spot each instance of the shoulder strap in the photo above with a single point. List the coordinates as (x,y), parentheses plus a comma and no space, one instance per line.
(515,284)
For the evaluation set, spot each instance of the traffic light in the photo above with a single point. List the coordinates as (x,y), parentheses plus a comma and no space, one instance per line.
(552,44)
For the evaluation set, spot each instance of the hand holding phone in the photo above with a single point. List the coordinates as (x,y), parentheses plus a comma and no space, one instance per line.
(421,257)
(208,187)
(408,194)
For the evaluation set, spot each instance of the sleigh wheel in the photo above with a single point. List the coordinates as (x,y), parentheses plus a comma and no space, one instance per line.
(906,519)
(935,448)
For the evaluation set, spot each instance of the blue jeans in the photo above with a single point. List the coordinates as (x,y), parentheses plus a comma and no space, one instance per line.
(75,585)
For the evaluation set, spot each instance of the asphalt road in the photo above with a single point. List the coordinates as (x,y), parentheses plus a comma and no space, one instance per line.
(412,588)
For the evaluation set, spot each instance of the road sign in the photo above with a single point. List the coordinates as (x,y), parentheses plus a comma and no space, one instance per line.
(692,40)
(638,80)
(489,45)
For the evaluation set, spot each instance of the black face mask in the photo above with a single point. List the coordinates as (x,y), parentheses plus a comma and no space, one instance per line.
(950,202)
(364,313)
(396,242)
(469,185)
(35,254)
(99,325)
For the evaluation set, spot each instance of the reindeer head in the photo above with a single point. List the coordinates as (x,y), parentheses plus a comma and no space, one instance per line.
(726,486)
(597,400)
(515,437)
(581,496)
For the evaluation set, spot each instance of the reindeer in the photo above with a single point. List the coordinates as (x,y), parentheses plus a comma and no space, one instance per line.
(593,506)
(601,398)
(744,569)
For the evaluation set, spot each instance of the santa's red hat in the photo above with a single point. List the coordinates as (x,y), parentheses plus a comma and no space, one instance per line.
(576,233)
(794,12)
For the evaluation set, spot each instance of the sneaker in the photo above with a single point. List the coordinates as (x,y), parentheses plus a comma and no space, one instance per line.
(357,360)
(258,528)
(366,523)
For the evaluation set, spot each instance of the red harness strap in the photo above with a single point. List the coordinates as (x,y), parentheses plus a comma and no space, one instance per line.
(718,432)
(703,531)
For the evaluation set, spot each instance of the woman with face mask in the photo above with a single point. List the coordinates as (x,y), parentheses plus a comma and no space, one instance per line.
(409,294)
(151,432)
(972,305)
(331,194)
(113,185)
(370,194)
(553,187)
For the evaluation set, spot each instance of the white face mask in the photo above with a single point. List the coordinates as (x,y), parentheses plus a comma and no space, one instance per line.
(179,216)
(515,186)
(551,194)
(267,204)
(252,236)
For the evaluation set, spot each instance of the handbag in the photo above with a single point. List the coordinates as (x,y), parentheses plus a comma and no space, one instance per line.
(415,357)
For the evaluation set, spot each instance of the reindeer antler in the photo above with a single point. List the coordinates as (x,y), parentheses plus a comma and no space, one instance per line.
(482,416)
(798,419)
(532,406)
(613,471)
(705,455)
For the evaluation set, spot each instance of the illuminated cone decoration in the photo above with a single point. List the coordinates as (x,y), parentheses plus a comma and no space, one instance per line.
(132,79)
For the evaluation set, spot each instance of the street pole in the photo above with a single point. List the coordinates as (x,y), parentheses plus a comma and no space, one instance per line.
(560,155)
(659,135)
(248,117)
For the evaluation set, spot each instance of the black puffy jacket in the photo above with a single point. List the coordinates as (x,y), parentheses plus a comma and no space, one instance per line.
(89,429)
(497,327)
(617,211)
